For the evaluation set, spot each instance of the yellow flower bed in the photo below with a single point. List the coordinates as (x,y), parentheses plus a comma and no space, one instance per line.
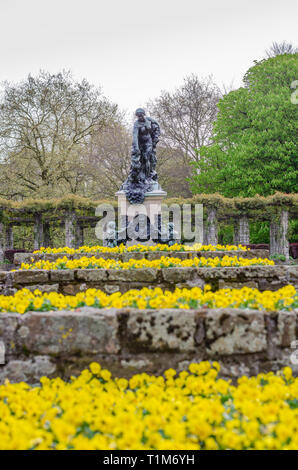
(139,247)
(190,410)
(24,300)
(163,262)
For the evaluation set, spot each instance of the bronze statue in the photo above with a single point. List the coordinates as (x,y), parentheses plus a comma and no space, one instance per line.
(142,177)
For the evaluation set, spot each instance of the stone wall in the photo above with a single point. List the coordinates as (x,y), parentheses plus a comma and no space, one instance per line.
(20,258)
(129,341)
(111,280)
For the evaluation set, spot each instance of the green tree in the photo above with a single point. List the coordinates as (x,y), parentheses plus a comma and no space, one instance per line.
(255,145)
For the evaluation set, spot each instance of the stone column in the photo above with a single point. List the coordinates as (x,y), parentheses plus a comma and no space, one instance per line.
(1,242)
(70,228)
(205,234)
(79,235)
(9,237)
(38,232)
(241,231)
(46,234)
(279,244)
(211,234)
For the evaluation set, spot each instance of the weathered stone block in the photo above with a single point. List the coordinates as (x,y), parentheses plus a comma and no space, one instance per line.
(72,288)
(26,277)
(175,275)
(277,272)
(286,326)
(260,253)
(194,282)
(62,275)
(128,256)
(130,275)
(273,336)
(85,330)
(180,254)
(98,255)
(218,273)
(53,256)
(159,330)
(152,255)
(293,275)
(28,371)
(234,370)
(20,258)
(226,284)
(111,288)
(136,364)
(8,327)
(233,331)
(43,287)
(91,275)
(9,291)
(2,276)
(271,283)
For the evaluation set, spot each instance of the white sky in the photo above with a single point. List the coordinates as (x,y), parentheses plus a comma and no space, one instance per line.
(136,48)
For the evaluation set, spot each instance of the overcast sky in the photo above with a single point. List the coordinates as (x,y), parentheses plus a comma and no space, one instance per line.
(136,48)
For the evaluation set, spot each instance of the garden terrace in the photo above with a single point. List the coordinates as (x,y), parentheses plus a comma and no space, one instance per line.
(71,281)
(20,258)
(62,343)
(73,215)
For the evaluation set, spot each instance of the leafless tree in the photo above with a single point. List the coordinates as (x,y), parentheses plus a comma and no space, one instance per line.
(186,116)
(46,123)
(173,172)
(281,48)
(108,159)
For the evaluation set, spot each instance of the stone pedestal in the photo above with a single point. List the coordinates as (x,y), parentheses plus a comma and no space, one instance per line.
(151,208)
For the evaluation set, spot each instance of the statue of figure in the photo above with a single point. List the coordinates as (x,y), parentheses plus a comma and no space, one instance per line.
(168,235)
(142,177)
(113,237)
(173,234)
(110,236)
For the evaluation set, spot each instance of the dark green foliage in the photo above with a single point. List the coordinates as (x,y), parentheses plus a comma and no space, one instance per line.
(259,232)
(255,143)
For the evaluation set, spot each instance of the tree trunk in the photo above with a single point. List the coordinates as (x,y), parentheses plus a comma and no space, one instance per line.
(279,244)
